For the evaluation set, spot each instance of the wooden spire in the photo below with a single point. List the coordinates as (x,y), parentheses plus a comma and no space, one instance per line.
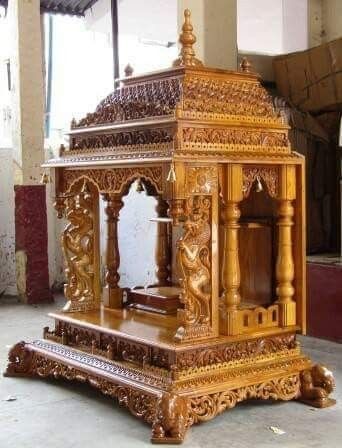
(187,40)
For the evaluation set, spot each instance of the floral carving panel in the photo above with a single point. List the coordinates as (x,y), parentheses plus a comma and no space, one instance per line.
(114,180)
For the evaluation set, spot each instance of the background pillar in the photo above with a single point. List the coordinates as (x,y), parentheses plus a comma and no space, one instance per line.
(28,98)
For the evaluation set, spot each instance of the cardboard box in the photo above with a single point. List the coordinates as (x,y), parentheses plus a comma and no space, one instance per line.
(312,79)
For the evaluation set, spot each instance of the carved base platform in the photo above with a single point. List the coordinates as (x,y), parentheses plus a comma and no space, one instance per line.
(173,386)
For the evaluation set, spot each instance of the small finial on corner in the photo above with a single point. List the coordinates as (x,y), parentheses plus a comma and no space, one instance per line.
(187,39)
(246,66)
(128,70)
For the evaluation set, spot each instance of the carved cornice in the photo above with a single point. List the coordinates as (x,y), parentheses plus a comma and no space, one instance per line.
(136,139)
(222,138)
(107,156)
(235,351)
(203,377)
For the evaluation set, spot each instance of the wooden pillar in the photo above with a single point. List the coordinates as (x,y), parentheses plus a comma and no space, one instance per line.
(231,267)
(285,264)
(162,252)
(80,246)
(112,293)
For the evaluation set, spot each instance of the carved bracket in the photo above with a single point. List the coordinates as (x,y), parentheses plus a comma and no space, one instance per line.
(269,175)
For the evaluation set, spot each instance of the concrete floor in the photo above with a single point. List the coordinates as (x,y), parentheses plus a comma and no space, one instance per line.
(51,414)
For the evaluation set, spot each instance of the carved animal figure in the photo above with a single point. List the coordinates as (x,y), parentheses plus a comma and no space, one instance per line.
(19,360)
(171,418)
(316,385)
(194,259)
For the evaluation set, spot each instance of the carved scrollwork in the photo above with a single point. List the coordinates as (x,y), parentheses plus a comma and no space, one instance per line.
(227,97)
(140,404)
(151,99)
(236,351)
(206,407)
(78,249)
(269,175)
(122,139)
(195,262)
(225,137)
(202,180)
(115,180)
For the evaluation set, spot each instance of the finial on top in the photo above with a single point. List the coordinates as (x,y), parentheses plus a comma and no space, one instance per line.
(187,40)
(128,70)
(246,66)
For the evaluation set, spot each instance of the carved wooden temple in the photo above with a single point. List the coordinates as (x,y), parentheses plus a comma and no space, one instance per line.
(208,145)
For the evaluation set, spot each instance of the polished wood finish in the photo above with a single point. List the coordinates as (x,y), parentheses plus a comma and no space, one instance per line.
(161,299)
(208,143)
(112,293)
(231,263)
(256,261)
(285,263)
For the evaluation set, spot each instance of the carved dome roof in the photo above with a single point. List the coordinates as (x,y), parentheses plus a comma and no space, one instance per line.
(189,110)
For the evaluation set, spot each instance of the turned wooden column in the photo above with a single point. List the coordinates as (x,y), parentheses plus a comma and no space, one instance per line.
(163,252)
(285,264)
(112,293)
(230,214)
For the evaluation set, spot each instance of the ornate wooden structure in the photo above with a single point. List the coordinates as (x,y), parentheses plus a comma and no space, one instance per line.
(209,146)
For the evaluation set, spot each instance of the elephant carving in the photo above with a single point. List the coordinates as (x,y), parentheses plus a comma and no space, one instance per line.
(171,420)
(317,384)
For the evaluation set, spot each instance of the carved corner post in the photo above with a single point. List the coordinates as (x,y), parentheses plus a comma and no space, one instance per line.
(112,293)
(285,263)
(232,195)
(197,252)
(80,245)
(163,249)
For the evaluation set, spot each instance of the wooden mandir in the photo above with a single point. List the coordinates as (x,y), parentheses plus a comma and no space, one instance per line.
(208,145)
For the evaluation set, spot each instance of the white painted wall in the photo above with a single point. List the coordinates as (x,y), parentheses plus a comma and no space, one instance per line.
(332,19)
(272,26)
(295,25)
(260,26)
(7,239)
(154,21)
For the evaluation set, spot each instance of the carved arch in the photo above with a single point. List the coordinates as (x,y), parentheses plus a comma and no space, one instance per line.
(268,175)
(116,180)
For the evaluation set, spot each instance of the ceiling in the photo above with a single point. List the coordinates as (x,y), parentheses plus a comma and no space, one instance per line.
(69,7)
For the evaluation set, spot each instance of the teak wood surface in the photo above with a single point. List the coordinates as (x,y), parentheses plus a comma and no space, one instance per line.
(209,146)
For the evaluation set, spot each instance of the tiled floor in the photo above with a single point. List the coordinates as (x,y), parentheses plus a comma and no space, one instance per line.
(51,414)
